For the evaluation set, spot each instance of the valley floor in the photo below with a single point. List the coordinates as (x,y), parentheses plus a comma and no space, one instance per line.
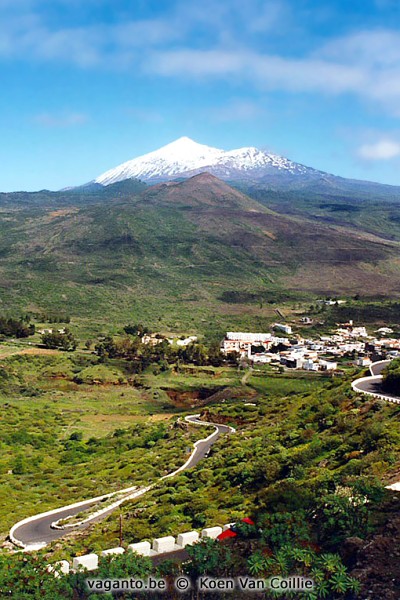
(79,424)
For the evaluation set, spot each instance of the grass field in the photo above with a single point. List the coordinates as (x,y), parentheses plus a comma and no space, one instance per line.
(295,437)
(177,264)
(63,442)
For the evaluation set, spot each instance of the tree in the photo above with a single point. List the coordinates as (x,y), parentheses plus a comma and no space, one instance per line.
(122,565)
(138,329)
(347,511)
(215,356)
(391,377)
(279,529)
(15,328)
(59,341)
(27,577)
(19,466)
(194,353)
(207,557)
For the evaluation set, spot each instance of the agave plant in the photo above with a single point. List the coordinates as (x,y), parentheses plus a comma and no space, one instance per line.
(256,563)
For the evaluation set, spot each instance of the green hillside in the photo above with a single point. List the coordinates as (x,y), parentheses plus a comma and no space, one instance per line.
(173,253)
(369,207)
(200,256)
(306,463)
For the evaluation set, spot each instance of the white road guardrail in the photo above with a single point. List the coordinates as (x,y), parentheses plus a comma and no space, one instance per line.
(373,378)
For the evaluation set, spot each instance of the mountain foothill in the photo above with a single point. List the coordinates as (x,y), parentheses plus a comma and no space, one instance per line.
(183,233)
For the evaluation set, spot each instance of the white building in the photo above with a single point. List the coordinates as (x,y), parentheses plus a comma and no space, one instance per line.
(253,338)
(384,330)
(152,339)
(238,341)
(332,302)
(359,332)
(187,341)
(327,365)
(262,358)
(363,361)
(285,328)
(310,365)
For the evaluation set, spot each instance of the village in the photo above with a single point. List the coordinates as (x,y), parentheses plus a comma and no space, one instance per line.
(283,347)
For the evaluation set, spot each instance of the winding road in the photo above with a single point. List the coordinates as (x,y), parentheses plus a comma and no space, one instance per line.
(372,385)
(36,532)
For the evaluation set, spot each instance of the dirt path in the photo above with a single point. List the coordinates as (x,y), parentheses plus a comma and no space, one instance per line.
(245,377)
(33,351)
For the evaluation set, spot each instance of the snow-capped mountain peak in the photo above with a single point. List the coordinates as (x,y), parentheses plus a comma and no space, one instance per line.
(179,156)
(185,157)
(184,149)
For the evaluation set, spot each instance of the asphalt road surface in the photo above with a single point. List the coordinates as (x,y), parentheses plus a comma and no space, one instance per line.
(203,448)
(373,384)
(377,368)
(39,530)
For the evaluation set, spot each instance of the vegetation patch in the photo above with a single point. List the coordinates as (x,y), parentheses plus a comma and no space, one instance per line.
(391,377)
(100,375)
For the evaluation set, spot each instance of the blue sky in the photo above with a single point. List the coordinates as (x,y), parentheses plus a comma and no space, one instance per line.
(88,85)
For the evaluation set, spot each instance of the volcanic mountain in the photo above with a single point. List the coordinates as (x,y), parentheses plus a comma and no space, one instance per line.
(182,245)
(275,181)
(185,252)
(201,191)
(185,158)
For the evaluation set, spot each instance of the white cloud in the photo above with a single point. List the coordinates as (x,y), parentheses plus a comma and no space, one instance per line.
(27,36)
(198,63)
(234,18)
(383,149)
(376,53)
(270,72)
(26,32)
(213,40)
(372,48)
(365,64)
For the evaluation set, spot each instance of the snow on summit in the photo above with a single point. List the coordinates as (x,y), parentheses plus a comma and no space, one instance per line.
(184,157)
(180,156)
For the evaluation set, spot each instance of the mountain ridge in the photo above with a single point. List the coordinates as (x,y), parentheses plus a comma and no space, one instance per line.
(247,166)
(173,253)
(201,190)
(184,157)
